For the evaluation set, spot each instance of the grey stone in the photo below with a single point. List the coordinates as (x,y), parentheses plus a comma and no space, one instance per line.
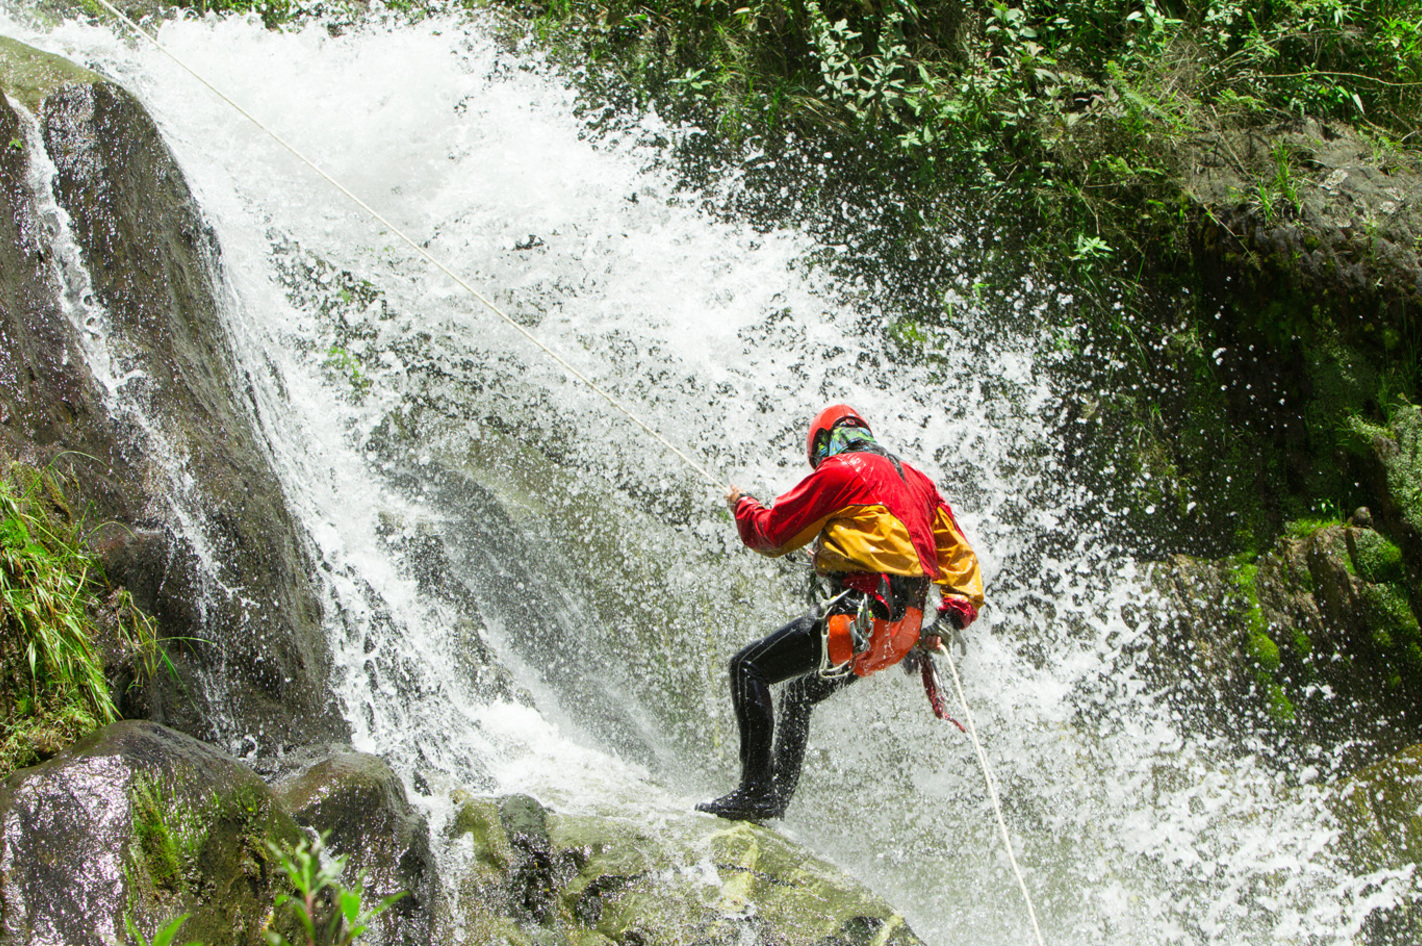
(141,821)
(358,803)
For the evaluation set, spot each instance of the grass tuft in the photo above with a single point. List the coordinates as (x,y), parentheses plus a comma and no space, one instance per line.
(56,610)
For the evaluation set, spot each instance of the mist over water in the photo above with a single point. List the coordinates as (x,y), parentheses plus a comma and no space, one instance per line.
(461,492)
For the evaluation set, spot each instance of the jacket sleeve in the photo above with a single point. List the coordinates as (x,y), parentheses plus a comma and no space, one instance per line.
(795,518)
(959,577)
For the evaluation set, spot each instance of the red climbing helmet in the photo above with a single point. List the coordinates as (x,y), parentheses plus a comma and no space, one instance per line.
(836,415)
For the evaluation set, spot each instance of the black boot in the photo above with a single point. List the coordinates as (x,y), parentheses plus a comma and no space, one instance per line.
(745,804)
(755,800)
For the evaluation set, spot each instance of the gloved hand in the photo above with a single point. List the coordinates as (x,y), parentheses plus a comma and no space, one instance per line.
(957,611)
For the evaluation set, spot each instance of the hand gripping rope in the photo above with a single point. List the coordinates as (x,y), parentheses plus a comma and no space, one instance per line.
(574,372)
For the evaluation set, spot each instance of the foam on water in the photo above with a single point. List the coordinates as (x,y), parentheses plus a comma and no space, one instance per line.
(1130,830)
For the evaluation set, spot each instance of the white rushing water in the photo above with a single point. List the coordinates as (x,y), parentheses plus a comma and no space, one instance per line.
(412,431)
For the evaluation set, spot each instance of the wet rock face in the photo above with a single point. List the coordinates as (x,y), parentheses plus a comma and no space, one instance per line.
(538,876)
(1340,227)
(1379,813)
(359,803)
(173,440)
(143,822)
(1319,637)
(46,390)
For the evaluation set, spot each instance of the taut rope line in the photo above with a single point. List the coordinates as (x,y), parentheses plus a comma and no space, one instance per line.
(992,793)
(425,254)
(574,372)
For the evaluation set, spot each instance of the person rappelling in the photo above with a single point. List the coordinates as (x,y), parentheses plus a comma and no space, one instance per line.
(882,535)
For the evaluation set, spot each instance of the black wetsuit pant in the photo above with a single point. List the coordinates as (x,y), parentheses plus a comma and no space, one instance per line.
(771,757)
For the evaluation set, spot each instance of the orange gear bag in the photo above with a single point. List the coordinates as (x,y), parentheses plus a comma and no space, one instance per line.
(889,642)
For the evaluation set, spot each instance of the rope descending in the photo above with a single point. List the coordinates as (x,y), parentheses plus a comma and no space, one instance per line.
(992,793)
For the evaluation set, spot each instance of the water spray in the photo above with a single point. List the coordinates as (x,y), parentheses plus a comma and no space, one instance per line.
(712,479)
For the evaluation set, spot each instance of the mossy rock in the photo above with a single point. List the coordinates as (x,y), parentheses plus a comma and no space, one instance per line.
(688,878)
(144,823)
(1405,466)
(478,817)
(29,76)
(1317,637)
(1374,558)
(1395,452)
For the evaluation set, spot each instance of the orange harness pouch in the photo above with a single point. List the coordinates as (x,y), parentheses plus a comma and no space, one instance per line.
(889,642)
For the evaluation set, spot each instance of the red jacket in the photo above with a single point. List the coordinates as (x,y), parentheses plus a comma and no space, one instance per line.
(868,521)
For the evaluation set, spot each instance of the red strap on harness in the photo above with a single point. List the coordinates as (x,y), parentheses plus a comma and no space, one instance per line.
(929,671)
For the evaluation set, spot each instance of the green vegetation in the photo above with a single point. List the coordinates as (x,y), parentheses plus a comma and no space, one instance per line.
(1375,559)
(59,618)
(163,937)
(1080,109)
(1264,653)
(1302,528)
(167,838)
(341,364)
(316,876)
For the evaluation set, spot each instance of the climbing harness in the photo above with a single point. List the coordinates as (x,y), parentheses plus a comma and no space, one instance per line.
(862,633)
(611,401)
(836,625)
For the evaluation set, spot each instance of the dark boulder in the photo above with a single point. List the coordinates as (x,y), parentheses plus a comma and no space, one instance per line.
(358,803)
(143,823)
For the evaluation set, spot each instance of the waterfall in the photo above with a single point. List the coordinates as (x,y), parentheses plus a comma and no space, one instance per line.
(463,496)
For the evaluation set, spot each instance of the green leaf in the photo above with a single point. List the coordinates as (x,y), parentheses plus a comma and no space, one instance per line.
(13,534)
(350,905)
(168,933)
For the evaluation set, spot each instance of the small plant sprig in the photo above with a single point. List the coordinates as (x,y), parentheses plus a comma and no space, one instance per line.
(316,876)
(163,937)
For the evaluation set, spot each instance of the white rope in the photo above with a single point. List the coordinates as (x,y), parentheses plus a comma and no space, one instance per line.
(992,793)
(574,372)
(437,264)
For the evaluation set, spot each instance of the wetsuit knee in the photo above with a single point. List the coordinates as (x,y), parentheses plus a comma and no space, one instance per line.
(744,668)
